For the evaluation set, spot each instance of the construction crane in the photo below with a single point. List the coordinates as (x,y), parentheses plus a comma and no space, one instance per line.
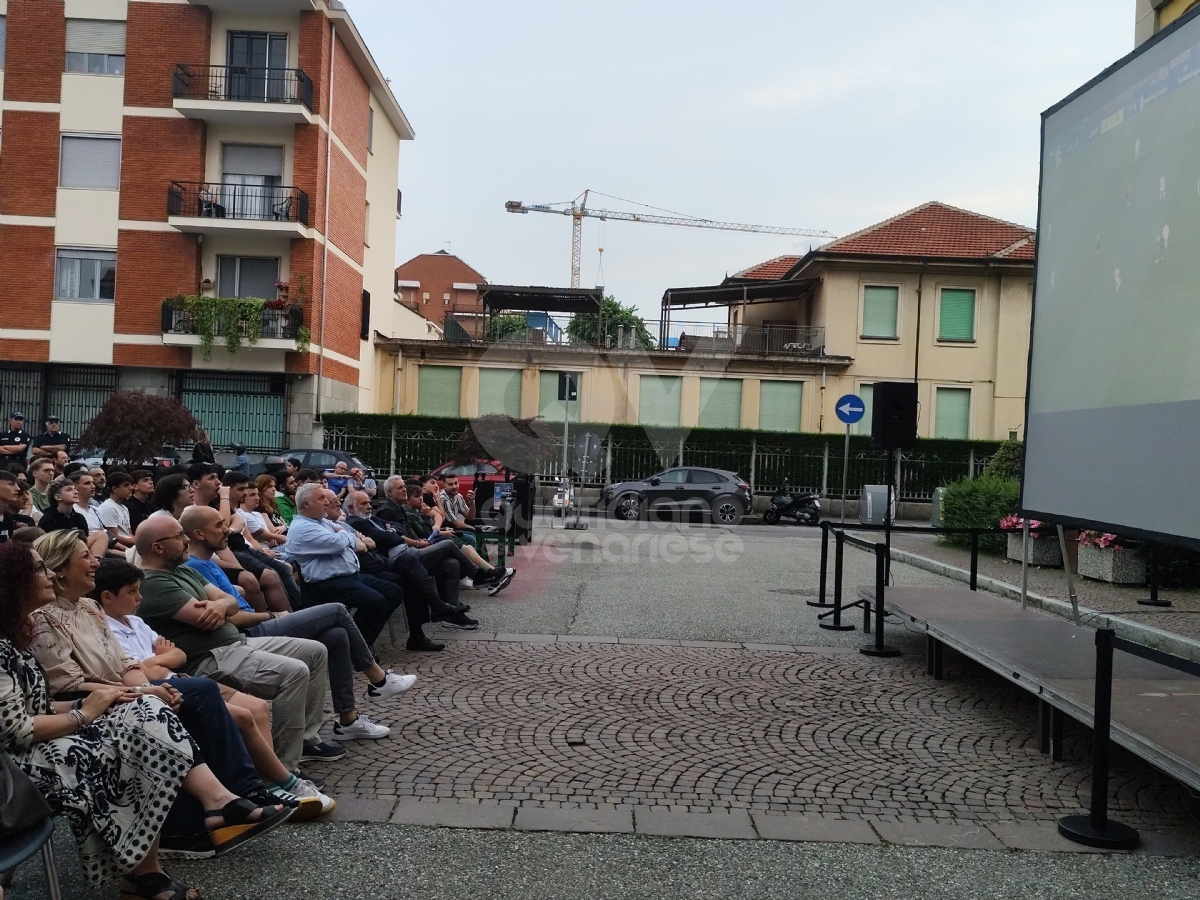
(577,209)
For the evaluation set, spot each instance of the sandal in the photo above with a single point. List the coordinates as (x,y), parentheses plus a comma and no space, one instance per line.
(153,885)
(239,828)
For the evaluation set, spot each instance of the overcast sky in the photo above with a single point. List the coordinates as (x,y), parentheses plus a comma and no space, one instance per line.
(802,113)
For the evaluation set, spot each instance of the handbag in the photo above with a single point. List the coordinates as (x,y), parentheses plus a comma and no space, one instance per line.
(22,805)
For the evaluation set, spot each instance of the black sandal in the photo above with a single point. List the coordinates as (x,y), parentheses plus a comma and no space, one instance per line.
(152,885)
(239,828)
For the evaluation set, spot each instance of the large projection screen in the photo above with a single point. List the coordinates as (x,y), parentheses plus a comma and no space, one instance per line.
(1113,404)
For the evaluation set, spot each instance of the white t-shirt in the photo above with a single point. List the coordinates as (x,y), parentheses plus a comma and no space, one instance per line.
(256,522)
(137,638)
(114,515)
(91,513)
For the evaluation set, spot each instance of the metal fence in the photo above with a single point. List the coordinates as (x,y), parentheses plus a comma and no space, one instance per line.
(217,200)
(243,84)
(765,465)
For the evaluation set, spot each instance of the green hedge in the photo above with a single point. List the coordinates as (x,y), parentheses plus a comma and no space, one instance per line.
(980,503)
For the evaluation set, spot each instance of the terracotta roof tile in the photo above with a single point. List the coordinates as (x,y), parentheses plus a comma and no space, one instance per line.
(935,229)
(771,270)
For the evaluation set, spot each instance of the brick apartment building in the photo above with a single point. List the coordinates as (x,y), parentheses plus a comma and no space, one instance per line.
(218,149)
(437,284)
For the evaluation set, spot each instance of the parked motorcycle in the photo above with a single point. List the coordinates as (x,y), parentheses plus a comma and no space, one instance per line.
(790,503)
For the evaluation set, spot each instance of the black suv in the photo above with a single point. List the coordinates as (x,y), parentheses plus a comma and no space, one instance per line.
(721,494)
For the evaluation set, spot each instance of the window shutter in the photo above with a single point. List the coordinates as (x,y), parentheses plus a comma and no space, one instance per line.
(500,392)
(550,407)
(956,319)
(720,403)
(953,418)
(89,162)
(3,38)
(879,311)
(438,389)
(257,278)
(248,159)
(95,36)
(659,399)
(866,393)
(779,404)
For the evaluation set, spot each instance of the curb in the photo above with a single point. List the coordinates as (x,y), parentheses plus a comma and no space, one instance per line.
(502,638)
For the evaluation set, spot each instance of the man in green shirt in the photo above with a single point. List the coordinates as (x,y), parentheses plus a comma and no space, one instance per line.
(42,472)
(184,608)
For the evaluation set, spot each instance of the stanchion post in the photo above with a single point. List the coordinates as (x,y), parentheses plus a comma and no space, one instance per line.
(1154,600)
(974,559)
(839,546)
(1095,829)
(824,565)
(881,575)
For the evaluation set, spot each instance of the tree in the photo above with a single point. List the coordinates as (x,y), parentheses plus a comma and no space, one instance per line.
(133,426)
(1006,462)
(520,445)
(622,325)
(504,327)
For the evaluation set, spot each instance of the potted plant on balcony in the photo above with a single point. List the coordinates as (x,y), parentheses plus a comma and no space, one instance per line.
(1043,545)
(237,320)
(290,301)
(1101,557)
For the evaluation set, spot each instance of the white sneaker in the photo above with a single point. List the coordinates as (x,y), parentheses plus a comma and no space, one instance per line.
(306,790)
(392,684)
(467,584)
(361,729)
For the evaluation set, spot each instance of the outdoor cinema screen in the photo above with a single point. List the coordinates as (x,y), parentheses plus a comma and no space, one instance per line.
(1113,423)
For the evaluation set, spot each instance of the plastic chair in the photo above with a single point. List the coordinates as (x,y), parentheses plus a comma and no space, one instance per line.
(16,850)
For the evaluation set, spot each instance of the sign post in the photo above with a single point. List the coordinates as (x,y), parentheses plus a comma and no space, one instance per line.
(850,409)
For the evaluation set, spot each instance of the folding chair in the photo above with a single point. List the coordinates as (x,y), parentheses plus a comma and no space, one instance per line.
(16,850)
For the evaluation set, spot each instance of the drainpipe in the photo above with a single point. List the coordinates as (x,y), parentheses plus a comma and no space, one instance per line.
(325,260)
(821,417)
(917,351)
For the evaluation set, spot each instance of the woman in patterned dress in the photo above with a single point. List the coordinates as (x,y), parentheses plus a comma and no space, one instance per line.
(112,763)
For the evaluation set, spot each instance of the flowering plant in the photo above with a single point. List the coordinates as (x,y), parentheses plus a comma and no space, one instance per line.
(1099,539)
(1016,523)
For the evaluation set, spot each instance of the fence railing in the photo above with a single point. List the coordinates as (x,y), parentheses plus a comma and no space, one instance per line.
(276,323)
(215,200)
(766,466)
(242,84)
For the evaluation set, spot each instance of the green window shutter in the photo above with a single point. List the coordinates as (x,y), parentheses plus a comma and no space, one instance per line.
(500,392)
(659,399)
(550,407)
(720,403)
(779,404)
(866,393)
(953,417)
(956,320)
(438,389)
(880,305)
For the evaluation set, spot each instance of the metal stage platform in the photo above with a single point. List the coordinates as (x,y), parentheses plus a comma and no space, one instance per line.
(1155,709)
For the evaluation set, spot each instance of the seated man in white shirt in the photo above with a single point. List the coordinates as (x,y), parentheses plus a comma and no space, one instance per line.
(112,512)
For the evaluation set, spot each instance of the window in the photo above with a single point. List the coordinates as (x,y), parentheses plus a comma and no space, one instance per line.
(95,47)
(367,226)
(3,38)
(659,398)
(370,130)
(445,299)
(956,315)
(673,476)
(321,461)
(866,393)
(251,176)
(500,392)
(701,476)
(425,297)
(438,390)
(952,419)
(257,66)
(90,162)
(86,275)
(720,403)
(779,404)
(247,276)
(552,404)
(880,309)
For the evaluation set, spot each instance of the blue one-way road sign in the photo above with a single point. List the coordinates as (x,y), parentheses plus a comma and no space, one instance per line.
(850,408)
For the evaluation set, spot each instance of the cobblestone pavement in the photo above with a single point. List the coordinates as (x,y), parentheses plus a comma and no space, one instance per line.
(602,726)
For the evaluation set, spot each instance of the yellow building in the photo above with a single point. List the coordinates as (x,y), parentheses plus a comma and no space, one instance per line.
(1151,16)
(938,294)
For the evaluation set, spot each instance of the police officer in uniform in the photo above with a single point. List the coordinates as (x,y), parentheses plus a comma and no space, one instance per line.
(14,443)
(49,442)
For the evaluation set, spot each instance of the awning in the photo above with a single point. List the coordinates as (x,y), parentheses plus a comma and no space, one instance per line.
(735,294)
(498,297)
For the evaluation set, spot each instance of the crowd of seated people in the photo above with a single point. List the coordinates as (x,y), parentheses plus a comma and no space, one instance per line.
(189,622)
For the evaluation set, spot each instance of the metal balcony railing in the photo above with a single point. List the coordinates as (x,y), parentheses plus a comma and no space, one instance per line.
(720,338)
(245,84)
(276,323)
(265,202)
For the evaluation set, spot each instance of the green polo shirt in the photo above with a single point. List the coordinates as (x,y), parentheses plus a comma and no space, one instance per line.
(287,509)
(166,593)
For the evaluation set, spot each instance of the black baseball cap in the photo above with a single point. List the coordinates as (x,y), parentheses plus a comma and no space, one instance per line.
(18,415)
(52,418)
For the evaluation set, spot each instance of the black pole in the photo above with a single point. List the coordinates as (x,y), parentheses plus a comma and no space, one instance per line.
(1154,601)
(974,559)
(1095,829)
(881,574)
(824,564)
(887,513)
(839,546)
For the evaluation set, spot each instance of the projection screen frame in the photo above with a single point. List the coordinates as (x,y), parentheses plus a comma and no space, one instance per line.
(1027,511)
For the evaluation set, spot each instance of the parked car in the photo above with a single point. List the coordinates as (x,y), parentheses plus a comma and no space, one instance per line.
(321,460)
(717,493)
(482,470)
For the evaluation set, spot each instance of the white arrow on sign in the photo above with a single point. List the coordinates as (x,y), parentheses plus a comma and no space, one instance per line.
(847,408)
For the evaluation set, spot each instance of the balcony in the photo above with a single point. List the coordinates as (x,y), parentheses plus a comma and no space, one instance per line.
(214,208)
(243,95)
(279,328)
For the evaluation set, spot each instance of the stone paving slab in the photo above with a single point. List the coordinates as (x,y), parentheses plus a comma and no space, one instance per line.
(955,835)
(361,809)
(593,821)
(1037,836)
(733,825)
(813,828)
(451,815)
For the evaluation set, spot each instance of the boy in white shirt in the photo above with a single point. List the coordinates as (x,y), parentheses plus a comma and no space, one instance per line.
(112,512)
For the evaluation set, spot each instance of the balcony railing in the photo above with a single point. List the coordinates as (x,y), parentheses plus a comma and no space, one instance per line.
(243,84)
(280,324)
(269,203)
(543,329)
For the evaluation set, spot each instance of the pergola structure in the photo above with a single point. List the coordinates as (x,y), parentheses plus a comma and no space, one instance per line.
(744,294)
(501,298)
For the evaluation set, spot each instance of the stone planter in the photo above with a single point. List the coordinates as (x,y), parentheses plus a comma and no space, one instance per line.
(1043,550)
(1113,566)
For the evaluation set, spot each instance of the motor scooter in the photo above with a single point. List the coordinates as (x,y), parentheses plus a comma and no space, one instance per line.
(803,506)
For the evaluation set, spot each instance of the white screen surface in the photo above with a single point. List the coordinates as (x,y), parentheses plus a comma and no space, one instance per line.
(1113,425)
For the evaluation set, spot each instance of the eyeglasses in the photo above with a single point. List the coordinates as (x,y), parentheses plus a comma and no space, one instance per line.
(42,568)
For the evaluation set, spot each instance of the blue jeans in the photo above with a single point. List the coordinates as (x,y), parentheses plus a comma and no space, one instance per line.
(205,716)
(372,599)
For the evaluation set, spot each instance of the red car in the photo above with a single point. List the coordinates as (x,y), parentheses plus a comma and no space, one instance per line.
(481,470)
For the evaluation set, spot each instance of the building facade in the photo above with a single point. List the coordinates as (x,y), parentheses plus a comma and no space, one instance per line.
(1150,16)
(156,150)
(937,294)
(436,285)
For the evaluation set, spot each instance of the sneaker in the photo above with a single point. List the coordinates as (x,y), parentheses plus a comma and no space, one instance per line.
(468,584)
(309,794)
(361,729)
(457,619)
(392,684)
(198,846)
(502,582)
(463,608)
(317,781)
(321,751)
(306,807)
(424,645)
